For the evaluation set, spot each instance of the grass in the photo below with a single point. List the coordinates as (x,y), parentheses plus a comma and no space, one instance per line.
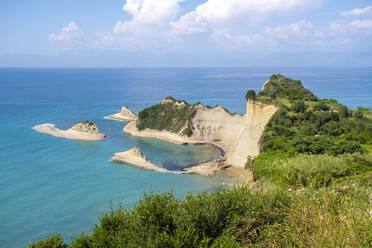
(310,170)
(328,217)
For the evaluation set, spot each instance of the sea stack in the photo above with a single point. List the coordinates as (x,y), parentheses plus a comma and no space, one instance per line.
(124,115)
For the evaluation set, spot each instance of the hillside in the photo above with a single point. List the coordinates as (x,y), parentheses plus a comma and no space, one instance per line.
(316,128)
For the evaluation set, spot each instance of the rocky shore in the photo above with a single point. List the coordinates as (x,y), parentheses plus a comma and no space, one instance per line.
(124,115)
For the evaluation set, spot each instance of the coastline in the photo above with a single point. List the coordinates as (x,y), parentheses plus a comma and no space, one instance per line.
(206,168)
(236,136)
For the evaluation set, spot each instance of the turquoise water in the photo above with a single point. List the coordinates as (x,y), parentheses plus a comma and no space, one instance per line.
(50,185)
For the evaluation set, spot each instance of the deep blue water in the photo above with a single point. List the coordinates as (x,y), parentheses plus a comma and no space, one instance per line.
(50,185)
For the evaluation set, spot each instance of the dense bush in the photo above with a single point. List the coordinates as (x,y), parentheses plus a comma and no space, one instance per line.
(305,170)
(280,86)
(264,216)
(292,131)
(299,107)
(51,242)
(322,106)
(223,218)
(171,116)
(251,95)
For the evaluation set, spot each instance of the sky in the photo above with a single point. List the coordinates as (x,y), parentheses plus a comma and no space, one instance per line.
(185,33)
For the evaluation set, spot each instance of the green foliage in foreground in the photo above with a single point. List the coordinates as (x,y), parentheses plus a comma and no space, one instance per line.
(265,216)
(51,242)
(168,116)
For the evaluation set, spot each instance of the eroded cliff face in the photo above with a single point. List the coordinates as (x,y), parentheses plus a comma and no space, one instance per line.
(217,125)
(248,144)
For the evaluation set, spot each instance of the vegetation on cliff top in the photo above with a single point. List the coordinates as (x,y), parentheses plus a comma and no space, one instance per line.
(279,86)
(305,124)
(171,115)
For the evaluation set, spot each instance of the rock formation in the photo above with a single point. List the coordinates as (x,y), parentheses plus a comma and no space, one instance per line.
(238,135)
(124,115)
(85,130)
(136,158)
(86,127)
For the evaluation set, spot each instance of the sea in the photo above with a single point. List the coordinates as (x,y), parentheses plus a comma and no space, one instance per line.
(50,185)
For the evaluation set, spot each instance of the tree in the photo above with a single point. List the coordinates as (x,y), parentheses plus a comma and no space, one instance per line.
(321,107)
(299,107)
(251,95)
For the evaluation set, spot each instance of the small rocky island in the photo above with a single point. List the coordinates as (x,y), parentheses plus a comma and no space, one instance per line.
(124,115)
(85,130)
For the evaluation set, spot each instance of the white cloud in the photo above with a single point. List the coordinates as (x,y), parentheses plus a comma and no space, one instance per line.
(217,11)
(304,32)
(303,28)
(362,24)
(358,12)
(235,40)
(67,34)
(148,15)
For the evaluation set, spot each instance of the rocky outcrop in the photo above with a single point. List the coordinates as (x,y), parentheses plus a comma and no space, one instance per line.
(238,135)
(86,127)
(86,130)
(136,158)
(124,115)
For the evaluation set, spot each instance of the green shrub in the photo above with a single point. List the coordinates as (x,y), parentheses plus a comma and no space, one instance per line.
(251,95)
(51,242)
(280,86)
(299,107)
(187,131)
(167,116)
(222,218)
(322,106)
